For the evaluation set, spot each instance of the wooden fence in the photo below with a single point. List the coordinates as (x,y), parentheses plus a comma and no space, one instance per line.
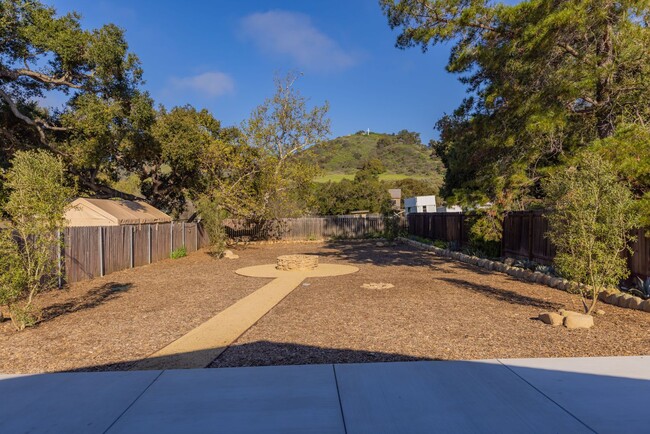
(96,251)
(306,228)
(89,252)
(449,227)
(524,236)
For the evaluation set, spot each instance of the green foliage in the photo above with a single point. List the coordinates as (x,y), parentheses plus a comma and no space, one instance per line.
(183,138)
(101,127)
(364,193)
(36,205)
(545,80)
(212,220)
(414,187)
(591,219)
(402,154)
(178,253)
(278,131)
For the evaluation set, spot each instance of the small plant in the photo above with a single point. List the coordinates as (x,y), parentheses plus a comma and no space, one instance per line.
(591,219)
(641,288)
(440,244)
(422,240)
(180,252)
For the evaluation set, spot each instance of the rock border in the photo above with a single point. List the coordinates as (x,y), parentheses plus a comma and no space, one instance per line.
(609,296)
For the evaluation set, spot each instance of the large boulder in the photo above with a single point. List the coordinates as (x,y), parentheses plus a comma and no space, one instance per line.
(552,318)
(578,321)
(566,313)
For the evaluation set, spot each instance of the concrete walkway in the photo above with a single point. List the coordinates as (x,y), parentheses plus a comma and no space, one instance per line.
(604,395)
(199,347)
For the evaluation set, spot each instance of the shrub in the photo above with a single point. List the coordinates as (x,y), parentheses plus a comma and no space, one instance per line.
(212,221)
(38,196)
(181,252)
(590,222)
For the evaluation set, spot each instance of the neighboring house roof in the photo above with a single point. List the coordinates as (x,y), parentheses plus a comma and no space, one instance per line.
(395,193)
(108,212)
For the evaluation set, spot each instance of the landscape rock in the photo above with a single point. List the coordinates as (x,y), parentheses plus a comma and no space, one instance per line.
(538,277)
(612,298)
(602,296)
(600,312)
(551,318)
(566,313)
(546,279)
(230,255)
(380,285)
(509,261)
(380,244)
(578,321)
(623,300)
(645,306)
(633,303)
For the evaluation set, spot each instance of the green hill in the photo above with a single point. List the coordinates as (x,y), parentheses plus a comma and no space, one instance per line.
(402,154)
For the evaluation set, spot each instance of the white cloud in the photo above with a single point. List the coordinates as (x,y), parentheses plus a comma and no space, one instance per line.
(293,34)
(210,84)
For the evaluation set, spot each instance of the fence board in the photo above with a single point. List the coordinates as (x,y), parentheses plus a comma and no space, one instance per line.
(117,248)
(81,253)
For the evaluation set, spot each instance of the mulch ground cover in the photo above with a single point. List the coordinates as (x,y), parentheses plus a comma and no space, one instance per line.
(437,309)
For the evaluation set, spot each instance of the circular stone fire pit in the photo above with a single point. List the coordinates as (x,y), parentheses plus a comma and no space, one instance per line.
(297,262)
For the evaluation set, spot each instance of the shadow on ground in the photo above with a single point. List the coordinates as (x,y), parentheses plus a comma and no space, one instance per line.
(93,298)
(266,353)
(503,294)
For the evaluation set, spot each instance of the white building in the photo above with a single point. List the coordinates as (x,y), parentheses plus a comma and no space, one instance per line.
(420,204)
(449,208)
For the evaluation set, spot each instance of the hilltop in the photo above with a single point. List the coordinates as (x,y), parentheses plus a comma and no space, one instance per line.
(402,154)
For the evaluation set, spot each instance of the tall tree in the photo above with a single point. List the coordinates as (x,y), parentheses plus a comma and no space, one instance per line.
(545,79)
(105,116)
(279,129)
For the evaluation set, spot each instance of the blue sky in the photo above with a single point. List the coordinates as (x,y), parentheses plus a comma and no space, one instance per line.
(223,55)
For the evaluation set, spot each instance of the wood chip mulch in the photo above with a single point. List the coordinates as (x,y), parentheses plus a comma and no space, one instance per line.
(437,309)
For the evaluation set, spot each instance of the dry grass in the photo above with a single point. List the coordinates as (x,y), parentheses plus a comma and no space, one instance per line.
(437,310)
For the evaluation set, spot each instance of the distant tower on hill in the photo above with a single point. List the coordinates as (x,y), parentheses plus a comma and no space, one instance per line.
(368,133)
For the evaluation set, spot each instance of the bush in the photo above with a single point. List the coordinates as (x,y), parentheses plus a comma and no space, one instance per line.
(181,252)
(590,223)
(38,196)
(212,221)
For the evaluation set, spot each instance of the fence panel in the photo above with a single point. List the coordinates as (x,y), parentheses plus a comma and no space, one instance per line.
(116,243)
(161,238)
(178,236)
(191,239)
(81,253)
(639,261)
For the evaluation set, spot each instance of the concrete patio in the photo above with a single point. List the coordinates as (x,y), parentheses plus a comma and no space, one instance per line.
(501,396)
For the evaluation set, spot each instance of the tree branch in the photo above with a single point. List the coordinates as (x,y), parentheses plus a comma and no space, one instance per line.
(64,80)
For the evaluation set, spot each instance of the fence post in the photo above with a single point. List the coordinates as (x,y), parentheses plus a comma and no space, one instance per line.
(197,235)
(132,248)
(101,251)
(183,235)
(171,237)
(58,256)
(149,237)
(504,231)
(530,236)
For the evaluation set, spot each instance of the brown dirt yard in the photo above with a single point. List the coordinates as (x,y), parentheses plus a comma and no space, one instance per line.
(437,309)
